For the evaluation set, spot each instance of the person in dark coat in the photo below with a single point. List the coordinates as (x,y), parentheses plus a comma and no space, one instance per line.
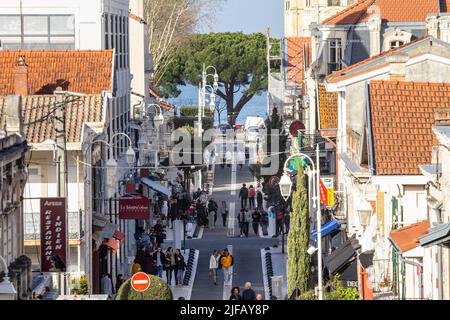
(148,265)
(159,232)
(173,211)
(119,281)
(235,294)
(259,199)
(159,259)
(248,293)
(256,219)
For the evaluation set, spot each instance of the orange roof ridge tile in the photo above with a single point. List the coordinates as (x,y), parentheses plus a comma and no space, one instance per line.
(347,10)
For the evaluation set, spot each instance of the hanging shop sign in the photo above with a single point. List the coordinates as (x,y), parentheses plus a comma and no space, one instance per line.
(327,191)
(134,207)
(53,234)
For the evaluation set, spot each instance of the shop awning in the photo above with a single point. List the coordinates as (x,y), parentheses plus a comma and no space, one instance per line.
(119,235)
(156,186)
(437,236)
(407,238)
(326,229)
(343,255)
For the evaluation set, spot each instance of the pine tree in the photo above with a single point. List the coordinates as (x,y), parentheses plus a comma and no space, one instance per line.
(298,240)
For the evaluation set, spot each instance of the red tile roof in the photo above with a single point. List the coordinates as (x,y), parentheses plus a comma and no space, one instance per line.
(88,72)
(34,108)
(136,18)
(298,58)
(402,115)
(162,103)
(349,72)
(390,11)
(407,238)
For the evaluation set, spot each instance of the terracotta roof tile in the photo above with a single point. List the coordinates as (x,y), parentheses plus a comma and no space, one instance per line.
(390,11)
(136,18)
(407,238)
(88,72)
(298,58)
(328,108)
(78,110)
(402,116)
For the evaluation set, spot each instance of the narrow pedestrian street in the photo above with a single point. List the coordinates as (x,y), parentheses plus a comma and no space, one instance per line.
(246,251)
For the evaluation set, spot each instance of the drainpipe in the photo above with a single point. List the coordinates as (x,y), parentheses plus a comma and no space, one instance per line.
(440,283)
(417,265)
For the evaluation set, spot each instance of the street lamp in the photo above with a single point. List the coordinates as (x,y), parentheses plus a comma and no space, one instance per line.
(286,189)
(364,212)
(7,290)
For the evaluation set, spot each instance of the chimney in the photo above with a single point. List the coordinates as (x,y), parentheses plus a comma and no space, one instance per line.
(21,78)
(397,65)
(14,115)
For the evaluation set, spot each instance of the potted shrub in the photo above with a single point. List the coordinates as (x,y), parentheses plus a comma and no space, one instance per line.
(385,285)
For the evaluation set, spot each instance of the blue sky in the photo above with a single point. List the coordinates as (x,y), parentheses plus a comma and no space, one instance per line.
(250,16)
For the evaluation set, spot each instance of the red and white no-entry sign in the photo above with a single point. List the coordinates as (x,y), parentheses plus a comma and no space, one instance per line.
(140,281)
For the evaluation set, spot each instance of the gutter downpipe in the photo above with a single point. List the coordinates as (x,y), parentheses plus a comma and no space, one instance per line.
(417,265)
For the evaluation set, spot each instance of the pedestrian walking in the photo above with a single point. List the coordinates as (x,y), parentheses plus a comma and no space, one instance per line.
(259,199)
(165,212)
(173,211)
(214,265)
(227,262)
(224,213)
(136,267)
(147,262)
(180,267)
(241,221)
(248,293)
(119,281)
(160,261)
(235,294)
(170,264)
(158,231)
(107,287)
(251,197)
(248,220)
(243,195)
(256,220)
(211,213)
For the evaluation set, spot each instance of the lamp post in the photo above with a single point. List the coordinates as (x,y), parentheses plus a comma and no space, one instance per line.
(202,103)
(7,290)
(158,121)
(286,188)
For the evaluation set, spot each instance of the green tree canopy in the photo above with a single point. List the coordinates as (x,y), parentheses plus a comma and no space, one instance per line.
(240,60)
(158,290)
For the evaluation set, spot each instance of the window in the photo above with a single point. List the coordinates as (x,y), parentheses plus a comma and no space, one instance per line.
(335,55)
(396,44)
(39,31)
(288,5)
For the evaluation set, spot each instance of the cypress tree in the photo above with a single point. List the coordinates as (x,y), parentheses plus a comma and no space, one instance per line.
(298,240)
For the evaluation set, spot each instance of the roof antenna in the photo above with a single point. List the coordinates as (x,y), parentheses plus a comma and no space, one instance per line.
(21,26)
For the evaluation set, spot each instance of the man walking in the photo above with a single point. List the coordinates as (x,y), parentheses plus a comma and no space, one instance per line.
(256,219)
(241,220)
(251,197)
(243,194)
(259,199)
(160,260)
(248,219)
(248,293)
(227,262)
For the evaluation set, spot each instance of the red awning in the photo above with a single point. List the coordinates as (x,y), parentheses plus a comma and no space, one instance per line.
(119,235)
(112,243)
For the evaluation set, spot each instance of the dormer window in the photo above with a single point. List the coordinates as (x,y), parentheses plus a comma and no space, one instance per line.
(334,55)
(396,44)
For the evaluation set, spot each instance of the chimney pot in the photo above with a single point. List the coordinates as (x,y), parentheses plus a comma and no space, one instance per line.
(21,78)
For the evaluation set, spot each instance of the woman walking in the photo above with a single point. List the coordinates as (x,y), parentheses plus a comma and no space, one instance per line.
(251,197)
(224,213)
(235,294)
(211,214)
(180,268)
(214,265)
(170,264)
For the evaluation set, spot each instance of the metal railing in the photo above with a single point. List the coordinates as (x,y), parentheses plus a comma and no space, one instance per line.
(32,225)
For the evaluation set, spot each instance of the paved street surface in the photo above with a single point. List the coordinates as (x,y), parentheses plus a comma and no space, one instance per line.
(246,251)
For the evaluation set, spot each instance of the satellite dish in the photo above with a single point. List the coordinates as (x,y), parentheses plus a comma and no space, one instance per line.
(295,127)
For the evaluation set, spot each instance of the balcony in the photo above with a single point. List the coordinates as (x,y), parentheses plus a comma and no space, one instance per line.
(32,228)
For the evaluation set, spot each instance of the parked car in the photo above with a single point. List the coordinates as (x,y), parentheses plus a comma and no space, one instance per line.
(224,127)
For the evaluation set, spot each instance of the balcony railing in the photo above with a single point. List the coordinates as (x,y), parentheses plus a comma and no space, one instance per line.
(32,228)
